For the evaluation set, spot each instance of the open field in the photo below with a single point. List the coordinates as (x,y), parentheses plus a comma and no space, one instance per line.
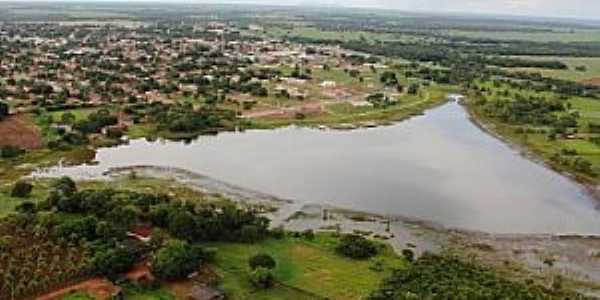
(299,263)
(578,35)
(312,32)
(340,114)
(592,65)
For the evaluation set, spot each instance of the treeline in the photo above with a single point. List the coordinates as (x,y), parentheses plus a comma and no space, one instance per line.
(508,62)
(124,209)
(184,118)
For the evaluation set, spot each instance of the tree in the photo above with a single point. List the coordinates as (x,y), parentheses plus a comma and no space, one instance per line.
(65,185)
(3,110)
(262,278)
(408,254)
(68,118)
(21,189)
(356,246)
(9,151)
(113,261)
(413,89)
(176,260)
(261,261)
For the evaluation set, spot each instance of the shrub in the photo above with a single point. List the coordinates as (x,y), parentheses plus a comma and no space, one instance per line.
(358,247)
(3,110)
(262,278)
(113,261)
(278,233)
(308,234)
(250,233)
(65,185)
(10,151)
(21,189)
(176,260)
(261,261)
(408,254)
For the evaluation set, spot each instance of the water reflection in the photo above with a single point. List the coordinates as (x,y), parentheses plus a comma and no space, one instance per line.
(437,167)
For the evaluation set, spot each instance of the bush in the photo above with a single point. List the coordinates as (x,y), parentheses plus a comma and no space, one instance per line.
(65,186)
(21,189)
(358,247)
(176,260)
(3,110)
(11,151)
(261,261)
(409,255)
(262,278)
(308,234)
(278,233)
(111,262)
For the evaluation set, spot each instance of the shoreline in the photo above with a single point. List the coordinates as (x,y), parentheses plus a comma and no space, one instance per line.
(524,255)
(592,189)
(574,255)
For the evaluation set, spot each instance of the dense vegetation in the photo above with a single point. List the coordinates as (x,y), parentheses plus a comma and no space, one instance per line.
(74,234)
(445,278)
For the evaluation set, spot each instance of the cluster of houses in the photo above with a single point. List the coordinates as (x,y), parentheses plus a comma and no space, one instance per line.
(53,65)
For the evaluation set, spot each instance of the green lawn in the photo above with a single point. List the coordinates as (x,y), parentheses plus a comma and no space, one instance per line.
(78,296)
(79,113)
(130,294)
(311,266)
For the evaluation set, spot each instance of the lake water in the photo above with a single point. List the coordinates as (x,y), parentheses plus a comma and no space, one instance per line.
(438,167)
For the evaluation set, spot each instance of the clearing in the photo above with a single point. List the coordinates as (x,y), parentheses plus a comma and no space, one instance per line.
(300,262)
(19,131)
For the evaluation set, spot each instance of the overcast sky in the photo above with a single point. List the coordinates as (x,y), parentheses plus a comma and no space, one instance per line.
(588,9)
(555,8)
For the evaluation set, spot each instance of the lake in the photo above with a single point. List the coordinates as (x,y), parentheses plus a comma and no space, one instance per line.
(438,167)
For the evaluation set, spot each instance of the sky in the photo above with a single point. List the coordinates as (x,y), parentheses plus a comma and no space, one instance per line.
(589,9)
(586,9)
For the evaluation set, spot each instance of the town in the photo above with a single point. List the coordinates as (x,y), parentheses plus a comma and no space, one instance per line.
(162,151)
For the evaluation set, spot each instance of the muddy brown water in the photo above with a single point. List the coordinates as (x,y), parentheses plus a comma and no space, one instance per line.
(438,167)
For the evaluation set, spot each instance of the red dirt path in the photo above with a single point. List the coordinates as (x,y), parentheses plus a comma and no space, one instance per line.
(99,288)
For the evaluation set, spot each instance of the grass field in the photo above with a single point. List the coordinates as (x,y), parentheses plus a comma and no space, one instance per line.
(579,35)
(79,113)
(592,65)
(130,294)
(305,267)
